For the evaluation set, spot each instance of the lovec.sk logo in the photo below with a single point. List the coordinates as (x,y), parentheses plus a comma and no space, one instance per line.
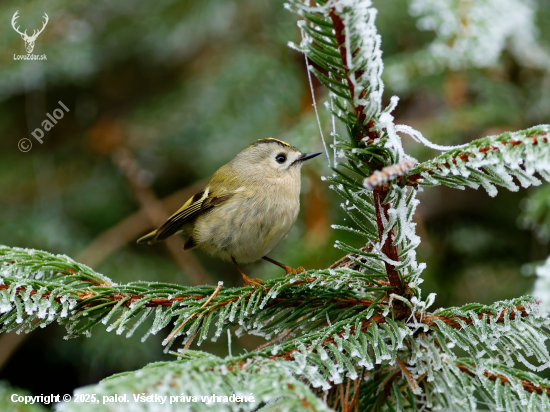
(29,40)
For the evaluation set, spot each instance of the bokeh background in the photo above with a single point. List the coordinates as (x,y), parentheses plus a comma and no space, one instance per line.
(162,93)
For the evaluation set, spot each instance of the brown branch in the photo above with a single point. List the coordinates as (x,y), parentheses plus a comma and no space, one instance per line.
(335,398)
(388,248)
(389,173)
(342,392)
(398,312)
(348,405)
(158,215)
(412,382)
(342,399)
(364,130)
(527,386)
(131,227)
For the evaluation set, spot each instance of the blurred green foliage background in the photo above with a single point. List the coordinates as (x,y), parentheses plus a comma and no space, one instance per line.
(163,93)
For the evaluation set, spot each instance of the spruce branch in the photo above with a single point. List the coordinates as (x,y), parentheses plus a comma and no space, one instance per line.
(52,288)
(364,126)
(374,159)
(341,336)
(355,335)
(490,161)
(256,384)
(340,37)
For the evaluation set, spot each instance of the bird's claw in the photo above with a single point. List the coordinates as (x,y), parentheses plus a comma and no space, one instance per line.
(255,283)
(292,271)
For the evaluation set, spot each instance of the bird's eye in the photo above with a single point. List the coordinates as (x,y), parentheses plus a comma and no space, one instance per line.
(281,158)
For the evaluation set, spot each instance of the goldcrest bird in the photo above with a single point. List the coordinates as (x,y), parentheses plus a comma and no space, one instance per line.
(246,209)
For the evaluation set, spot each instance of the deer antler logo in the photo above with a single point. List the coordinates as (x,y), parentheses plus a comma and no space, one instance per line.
(29,40)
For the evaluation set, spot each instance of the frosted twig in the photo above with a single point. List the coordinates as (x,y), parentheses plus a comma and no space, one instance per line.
(190,341)
(486,154)
(380,177)
(412,382)
(213,296)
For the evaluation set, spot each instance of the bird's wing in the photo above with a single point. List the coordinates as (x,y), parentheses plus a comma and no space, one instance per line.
(198,204)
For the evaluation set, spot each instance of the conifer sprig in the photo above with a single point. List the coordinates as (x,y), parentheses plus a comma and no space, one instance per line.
(491,161)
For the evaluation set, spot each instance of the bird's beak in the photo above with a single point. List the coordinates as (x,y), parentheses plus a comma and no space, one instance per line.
(307,156)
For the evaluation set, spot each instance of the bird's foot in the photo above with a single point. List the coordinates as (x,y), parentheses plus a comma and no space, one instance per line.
(291,271)
(255,283)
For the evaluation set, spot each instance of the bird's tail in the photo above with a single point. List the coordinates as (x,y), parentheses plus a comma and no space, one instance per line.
(148,238)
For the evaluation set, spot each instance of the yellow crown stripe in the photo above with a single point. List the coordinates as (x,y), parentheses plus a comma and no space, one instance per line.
(271,140)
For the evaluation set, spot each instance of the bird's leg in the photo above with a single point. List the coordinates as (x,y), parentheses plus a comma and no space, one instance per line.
(246,280)
(288,269)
